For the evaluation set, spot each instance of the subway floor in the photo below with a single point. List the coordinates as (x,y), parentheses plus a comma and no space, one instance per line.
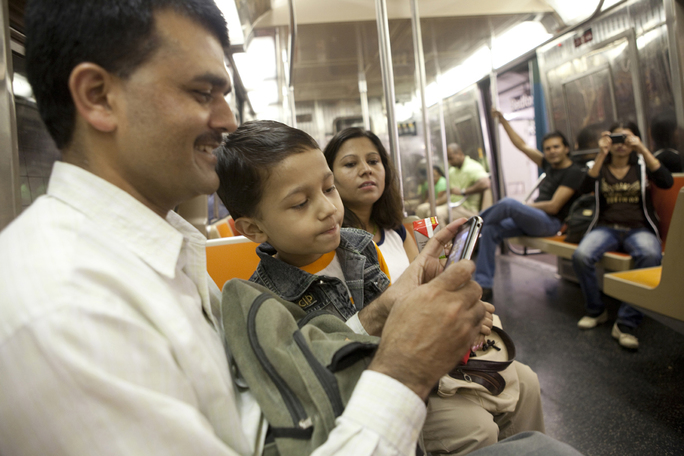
(598,397)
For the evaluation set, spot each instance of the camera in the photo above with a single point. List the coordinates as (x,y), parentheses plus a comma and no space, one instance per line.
(618,139)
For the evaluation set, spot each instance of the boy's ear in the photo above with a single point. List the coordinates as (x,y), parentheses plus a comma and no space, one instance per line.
(250,228)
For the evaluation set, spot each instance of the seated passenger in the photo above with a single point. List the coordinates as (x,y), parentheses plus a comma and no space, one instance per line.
(296,216)
(663,134)
(466,178)
(624,219)
(544,217)
(367,184)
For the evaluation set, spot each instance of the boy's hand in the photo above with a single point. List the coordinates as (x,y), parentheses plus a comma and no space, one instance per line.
(425,267)
(487,323)
(430,328)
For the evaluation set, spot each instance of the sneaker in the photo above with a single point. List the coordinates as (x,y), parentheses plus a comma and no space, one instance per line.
(625,336)
(487,295)
(588,322)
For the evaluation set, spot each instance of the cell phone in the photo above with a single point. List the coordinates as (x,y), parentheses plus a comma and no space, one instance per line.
(618,138)
(464,242)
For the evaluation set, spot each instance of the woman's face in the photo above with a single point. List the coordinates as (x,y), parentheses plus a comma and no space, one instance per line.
(359,173)
(621,149)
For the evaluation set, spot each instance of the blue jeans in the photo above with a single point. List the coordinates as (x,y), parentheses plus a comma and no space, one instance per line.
(508,218)
(642,244)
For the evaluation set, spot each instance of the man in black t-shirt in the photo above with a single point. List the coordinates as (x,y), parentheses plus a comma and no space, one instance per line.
(544,217)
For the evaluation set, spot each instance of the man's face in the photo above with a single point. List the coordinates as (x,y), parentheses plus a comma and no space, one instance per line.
(455,156)
(300,210)
(555,151)
(173,114)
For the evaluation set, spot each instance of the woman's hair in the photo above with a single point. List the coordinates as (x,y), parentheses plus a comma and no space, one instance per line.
(438,169)
(387,212)
(634,128)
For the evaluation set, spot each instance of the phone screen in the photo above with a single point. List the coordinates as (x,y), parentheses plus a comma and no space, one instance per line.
(459,244)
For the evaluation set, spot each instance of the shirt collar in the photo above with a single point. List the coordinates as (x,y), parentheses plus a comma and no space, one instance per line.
(123,218)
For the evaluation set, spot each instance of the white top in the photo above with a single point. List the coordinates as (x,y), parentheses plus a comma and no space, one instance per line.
(392,248)
(108,340)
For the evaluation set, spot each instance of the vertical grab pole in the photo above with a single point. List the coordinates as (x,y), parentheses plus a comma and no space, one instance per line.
(420,72)
(363,86)
(388,87)
(10,194)
(442,124)
(290,79)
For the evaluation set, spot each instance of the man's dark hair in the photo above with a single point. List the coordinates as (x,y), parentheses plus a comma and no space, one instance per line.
(248,155)
(556,134)
(663,129)
(118,35)
(387,212)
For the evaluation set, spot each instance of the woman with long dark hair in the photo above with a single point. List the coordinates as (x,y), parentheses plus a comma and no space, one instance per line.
(624,219)
(367,183)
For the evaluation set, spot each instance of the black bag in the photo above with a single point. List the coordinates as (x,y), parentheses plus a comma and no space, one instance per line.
(580,217)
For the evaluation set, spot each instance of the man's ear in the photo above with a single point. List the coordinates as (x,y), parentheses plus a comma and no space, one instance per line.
(251,229)
(91,89)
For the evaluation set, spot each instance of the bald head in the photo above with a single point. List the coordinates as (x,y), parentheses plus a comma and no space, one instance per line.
(455,155)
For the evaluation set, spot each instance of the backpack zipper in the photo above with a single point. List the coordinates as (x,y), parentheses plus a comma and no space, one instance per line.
(293,404)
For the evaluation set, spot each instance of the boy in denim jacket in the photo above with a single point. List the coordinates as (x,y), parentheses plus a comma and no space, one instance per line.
(277,186)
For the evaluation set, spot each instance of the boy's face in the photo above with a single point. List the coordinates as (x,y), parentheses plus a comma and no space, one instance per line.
(300,213)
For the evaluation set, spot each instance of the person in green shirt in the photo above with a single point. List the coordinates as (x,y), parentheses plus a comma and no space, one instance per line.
(468,178)
(438,179)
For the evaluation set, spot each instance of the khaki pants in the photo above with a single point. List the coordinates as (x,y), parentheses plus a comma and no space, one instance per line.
(461,423)
(423,211)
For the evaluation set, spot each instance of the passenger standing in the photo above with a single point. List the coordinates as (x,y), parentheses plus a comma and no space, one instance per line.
(367,183)
(624,219)
(544,217)
(663,133)
(467,179)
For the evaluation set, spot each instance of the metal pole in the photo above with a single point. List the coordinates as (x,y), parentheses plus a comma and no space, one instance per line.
(388,85)
(363,85)
(10,196)
(420,73)
(291,56)
(442,124)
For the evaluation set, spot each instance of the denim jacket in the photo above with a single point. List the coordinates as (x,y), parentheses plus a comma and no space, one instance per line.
(359,261)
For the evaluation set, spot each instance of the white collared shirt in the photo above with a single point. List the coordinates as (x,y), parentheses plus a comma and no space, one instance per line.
(108,344)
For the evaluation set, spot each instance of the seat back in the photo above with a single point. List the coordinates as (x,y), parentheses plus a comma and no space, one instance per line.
(232,257)
(673,257)
(664,201)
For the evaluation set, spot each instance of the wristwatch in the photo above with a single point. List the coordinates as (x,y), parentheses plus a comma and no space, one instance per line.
(463,192)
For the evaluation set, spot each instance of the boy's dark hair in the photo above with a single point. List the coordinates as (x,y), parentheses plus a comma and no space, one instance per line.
(246,158)
(387,212)
(555,134)
(116,35)
(663,129)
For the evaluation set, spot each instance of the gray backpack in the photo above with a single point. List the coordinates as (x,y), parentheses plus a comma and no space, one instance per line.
(301,368)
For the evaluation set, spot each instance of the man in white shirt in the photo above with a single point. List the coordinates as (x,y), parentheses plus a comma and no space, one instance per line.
(109,341)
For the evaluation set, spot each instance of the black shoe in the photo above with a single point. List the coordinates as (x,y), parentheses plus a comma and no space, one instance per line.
(487,295)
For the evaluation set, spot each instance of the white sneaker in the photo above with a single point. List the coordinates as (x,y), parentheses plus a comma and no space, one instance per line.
(588,322)
(625,339)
